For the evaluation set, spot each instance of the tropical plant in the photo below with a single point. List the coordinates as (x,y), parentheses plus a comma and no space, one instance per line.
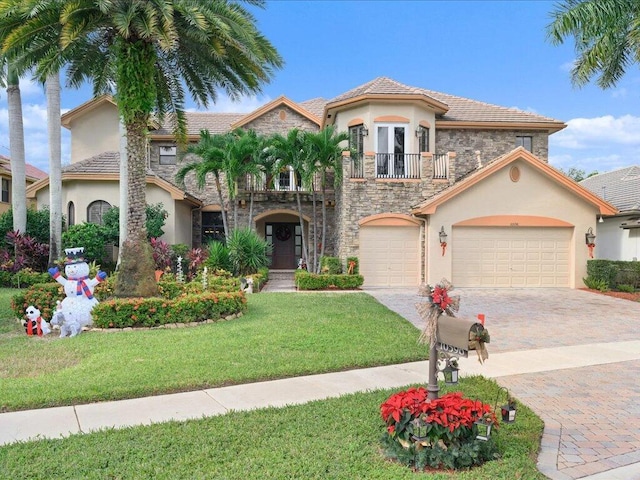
(155,216)
(607,37)
(148,51)
(218,258)
(596,283)
(161,253)
(37,224)
(210,150)
(248,251)
(326,147)
(23,251)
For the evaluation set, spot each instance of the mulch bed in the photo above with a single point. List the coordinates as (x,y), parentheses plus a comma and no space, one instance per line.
(634,297)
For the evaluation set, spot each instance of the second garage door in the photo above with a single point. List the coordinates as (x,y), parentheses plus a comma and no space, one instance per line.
(389,255)
(511,257)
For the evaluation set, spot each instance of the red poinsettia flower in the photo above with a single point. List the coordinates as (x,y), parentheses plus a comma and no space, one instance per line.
(440,297)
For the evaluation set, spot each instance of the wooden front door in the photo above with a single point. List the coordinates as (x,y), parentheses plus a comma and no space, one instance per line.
(283,237)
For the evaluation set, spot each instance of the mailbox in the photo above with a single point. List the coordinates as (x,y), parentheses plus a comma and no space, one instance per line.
(453,335)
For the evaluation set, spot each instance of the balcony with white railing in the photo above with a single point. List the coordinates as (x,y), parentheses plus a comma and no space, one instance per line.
(399,166)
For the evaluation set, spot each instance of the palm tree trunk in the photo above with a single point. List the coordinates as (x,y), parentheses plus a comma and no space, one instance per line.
(55,167)
(225,224)
(324,215)
(251,226)
(305,252)
(16,148)
(315,259)
(124,191)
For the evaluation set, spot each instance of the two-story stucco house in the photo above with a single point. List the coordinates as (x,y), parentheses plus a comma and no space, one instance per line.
(428,164)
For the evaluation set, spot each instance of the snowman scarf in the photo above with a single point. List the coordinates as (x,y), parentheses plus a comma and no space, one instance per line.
(82,287)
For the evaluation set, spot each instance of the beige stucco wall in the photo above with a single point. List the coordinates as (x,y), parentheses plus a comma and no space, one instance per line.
(95,133)
(370,111)
(177,228)
(534,194)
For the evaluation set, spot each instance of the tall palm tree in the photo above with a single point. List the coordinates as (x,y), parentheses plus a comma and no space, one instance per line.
(290,151)
(52,89)
(149,51)
(16,147)
(210,152)
(326,147)
(607,37)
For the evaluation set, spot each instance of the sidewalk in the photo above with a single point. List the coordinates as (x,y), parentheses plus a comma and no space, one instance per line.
(63,421)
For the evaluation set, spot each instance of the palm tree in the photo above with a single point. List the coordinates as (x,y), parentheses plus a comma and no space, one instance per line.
(607,37)
(149,51)
(16,147)
(290,151)
(52,88)
(325,147)
(211,151)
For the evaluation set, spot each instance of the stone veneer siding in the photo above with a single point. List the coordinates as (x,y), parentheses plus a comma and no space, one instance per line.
(490,143)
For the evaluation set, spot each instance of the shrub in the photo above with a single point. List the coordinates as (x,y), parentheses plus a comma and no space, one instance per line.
(156,216)
(626,288)
(218,256)
(150,312)
(27,277)
(37,224)
(23,251)
(248,251)
(312,281)
(330,265)
(438,433)
(196,257)
(43,296)
(88,235)
(596,284)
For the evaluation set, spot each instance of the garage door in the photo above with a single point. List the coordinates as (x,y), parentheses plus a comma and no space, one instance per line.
(389,256)
(511,257)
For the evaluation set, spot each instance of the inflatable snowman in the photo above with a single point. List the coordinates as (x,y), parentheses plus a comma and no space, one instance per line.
(79,301)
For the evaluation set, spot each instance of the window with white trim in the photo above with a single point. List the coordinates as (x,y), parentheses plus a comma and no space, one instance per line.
(391,141)
(71,214)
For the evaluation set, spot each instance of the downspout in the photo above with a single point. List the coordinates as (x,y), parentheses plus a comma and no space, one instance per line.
(423,249)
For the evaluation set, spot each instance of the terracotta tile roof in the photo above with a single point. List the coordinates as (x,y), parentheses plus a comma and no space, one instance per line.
(30,171)
(197,121)
(314,106)
(460,109)
(105,162)
(620,187)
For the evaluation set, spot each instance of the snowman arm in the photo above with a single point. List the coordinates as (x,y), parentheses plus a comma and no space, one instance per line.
(93,282)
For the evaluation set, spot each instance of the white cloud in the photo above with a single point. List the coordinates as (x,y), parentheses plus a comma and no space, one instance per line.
(583,133)
(568,66)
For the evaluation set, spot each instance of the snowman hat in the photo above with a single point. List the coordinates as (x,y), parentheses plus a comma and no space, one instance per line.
(74,255)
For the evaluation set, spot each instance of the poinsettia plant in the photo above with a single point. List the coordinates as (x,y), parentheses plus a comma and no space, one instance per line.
(439,433)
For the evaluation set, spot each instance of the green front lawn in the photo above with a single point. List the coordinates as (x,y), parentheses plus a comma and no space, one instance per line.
(282,335)
(329,439)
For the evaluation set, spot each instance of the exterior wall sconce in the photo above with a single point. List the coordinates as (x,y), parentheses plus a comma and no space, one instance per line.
(590,240)
(443,240)
(365,130)
(418,130)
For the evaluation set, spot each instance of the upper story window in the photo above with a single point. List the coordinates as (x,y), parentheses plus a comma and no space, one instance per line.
(524,141)
(96,210)
(391,142)
(6,190)
(423,138)
(287,179)
(168,155)
(356,140)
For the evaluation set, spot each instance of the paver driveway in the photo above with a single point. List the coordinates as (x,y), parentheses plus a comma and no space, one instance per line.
(591,414)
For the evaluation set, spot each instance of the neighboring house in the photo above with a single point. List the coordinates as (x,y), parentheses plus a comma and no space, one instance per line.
(618,235)
(32,175)
(426,162)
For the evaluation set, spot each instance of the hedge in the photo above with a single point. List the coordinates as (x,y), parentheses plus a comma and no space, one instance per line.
(313,281)
(152,312)
(615,272)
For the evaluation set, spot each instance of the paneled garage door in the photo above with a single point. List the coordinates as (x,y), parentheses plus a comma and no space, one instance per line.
(511,257)
(389,256)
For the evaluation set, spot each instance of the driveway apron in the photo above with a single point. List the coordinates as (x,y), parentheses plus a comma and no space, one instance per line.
(592,413)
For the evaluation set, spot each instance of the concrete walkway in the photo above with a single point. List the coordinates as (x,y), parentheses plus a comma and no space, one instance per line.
(542,351)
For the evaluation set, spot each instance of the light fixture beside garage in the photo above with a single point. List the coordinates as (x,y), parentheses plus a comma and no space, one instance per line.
(443,240)
(590,240)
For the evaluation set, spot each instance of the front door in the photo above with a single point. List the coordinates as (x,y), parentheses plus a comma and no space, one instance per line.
(283,238)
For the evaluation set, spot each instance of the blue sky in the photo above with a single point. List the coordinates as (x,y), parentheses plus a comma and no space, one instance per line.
(492,51)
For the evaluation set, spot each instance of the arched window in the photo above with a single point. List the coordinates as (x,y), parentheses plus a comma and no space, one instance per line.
(96,210)
(71,214)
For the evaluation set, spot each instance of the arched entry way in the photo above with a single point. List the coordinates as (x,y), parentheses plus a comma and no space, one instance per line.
(282,229)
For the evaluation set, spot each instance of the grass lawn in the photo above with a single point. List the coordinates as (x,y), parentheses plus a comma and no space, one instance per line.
(281,335)
(329,439)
